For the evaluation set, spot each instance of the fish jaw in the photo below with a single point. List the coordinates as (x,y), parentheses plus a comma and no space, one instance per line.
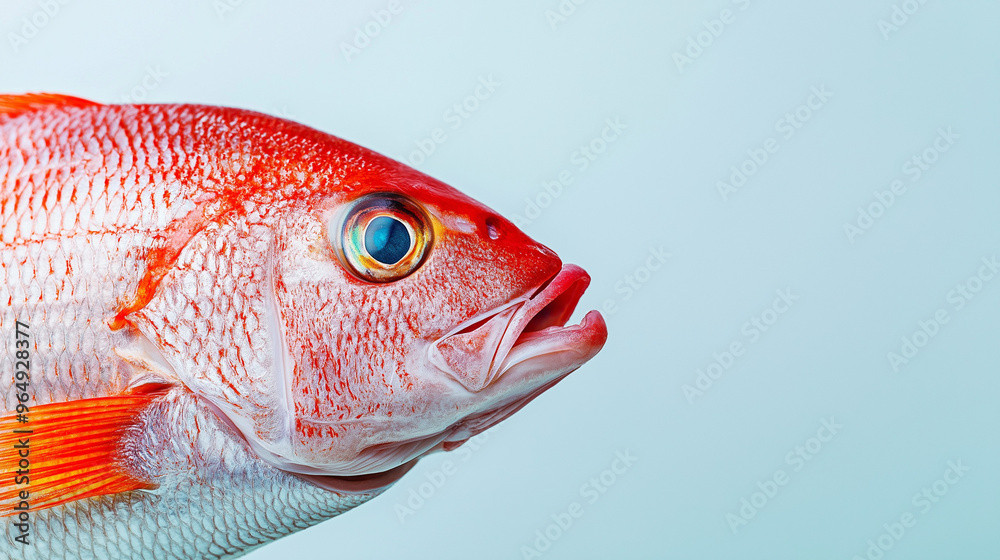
(478,353)
(536,350)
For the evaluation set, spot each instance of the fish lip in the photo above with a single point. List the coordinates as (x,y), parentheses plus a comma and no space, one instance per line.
(536,326)
(544,318)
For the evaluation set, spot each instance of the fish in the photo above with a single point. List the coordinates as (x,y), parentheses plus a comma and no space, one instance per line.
(221,327)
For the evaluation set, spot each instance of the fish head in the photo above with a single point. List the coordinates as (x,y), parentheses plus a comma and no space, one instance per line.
(402,317)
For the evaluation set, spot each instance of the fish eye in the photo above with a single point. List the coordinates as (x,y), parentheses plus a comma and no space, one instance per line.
(383,237)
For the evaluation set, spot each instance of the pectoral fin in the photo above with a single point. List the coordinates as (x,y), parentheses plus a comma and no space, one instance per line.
(61,452)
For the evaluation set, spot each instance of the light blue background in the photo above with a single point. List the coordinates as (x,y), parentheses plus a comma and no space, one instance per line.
(656,186)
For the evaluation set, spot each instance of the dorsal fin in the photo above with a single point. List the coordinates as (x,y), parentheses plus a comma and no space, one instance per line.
(14,105)
(61,452)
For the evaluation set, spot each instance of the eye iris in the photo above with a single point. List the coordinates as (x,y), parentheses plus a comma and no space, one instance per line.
(387,240)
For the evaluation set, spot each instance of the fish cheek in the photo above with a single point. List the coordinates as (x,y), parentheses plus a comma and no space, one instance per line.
(349,343)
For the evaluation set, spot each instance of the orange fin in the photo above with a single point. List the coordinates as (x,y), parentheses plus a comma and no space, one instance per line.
(15,105)
(68,451)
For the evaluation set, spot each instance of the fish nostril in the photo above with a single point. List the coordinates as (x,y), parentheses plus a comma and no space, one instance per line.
(492,228)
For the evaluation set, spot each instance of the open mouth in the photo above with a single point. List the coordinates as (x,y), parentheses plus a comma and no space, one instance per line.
(542,330)
(526,329)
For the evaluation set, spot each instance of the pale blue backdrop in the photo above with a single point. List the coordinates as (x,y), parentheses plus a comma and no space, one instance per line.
(789,210)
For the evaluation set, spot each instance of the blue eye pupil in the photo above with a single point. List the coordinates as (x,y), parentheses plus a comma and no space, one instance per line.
(387,240)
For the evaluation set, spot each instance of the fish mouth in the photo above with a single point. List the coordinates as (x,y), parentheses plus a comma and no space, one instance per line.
(541,330)
(525,340)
